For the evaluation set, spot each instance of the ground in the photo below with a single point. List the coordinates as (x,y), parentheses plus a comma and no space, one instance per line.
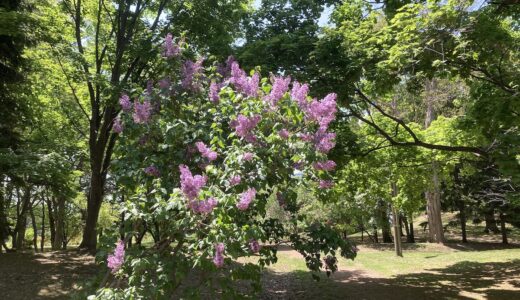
(481,269)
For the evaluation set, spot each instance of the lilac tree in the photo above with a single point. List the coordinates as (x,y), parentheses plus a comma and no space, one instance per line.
(202,149)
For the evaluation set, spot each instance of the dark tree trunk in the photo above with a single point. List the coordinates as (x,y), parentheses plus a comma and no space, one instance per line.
(21,222)
(436,231)
(411,238)
(42,240)
(385,225)
(95,198)
(35,229)
(491,223)
(60,228)
(376,238)
(52,227)
(503,228)
(407,229)
(463,219)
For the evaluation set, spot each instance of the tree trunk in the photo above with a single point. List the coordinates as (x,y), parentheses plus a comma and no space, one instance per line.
(52,227)
(436,231)
(397,224)
(35,229)
(21,222)
(503,228)
(463,219)
(94,200)
(491,223)
(385,225)
(59,218)
(42,240)
(376,238)
(411,239)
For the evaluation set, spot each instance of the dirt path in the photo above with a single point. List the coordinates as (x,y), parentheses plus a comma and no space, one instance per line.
(50,275)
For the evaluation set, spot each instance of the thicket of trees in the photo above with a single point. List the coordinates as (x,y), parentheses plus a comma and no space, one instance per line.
(428,96)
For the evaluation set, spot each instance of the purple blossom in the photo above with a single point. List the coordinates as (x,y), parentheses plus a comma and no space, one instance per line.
(152,171)
(204,206)
(298,165)
(284,134)
(218,259)
(118,126)
(306,137)
(165,83)
(323,112)
(327,165)
(244,125)
(191,185)
(235,180)
(214,89)
(115,261)
(326,184)
(299,94)
(324,141)
(243,83)
(142,112)
(246,198)
(170,49)
(190,70)
(206,152)
(225,69)
(247,156)
(125,103)
(279,88)
(254,246)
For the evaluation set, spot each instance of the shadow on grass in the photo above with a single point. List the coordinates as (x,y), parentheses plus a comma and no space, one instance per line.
(464,280)
(480,246)
(51,275)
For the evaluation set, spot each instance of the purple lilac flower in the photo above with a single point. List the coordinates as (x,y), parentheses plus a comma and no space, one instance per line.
(218,259)
(246,198)
(206,152)
(324,141)
(118,126)
(152,171)
(299,94)
(191,185)
(298,165)
(243,83)
(125,103)
(326,184)
(115,261)
(142,112)
(190,70)
(170,49)
(235,180)
(279,88)
(284,133)
(306,137)
(244,125)
(214,89)
(225,69)
(165,83)
(327,165)
(323,112)
(204,206)
(254,246)
(247,156)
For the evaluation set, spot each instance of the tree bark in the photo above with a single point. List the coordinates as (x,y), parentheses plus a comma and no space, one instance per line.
(385,225)
(59,218)
(21,222)
(411,239)
(42,240)
(50,213)
(397,224)
(436,231)
(503,228)
(35,228)
(491,223)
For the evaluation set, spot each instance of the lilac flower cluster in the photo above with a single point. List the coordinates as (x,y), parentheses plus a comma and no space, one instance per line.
(115,260)
(170,49)
(243,83)
(204,206)
(323,112)
(279,88)
(214,89)
(299,94)
(191,185)
(190,70)
(118,126)
(218,259)
(327,165)
(254,246)
(244,125)
(324,141)
(326,184)
(246,198)
(235,180)
(125,103)
(165,83)
(152,171)
(142,112)
(284,134)
(247,156)
(206,152)
(225,69)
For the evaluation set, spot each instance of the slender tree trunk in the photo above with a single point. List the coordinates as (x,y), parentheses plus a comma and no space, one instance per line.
(412,235)
(21,222)
(35,229)
(376,238)
(463,220)
(407,229)
(4,231)
(52,227)
(42,240)
(491,223)
(397,224)
(436,231)
(503,228)
(95,198)
(385,225)
(59,218)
